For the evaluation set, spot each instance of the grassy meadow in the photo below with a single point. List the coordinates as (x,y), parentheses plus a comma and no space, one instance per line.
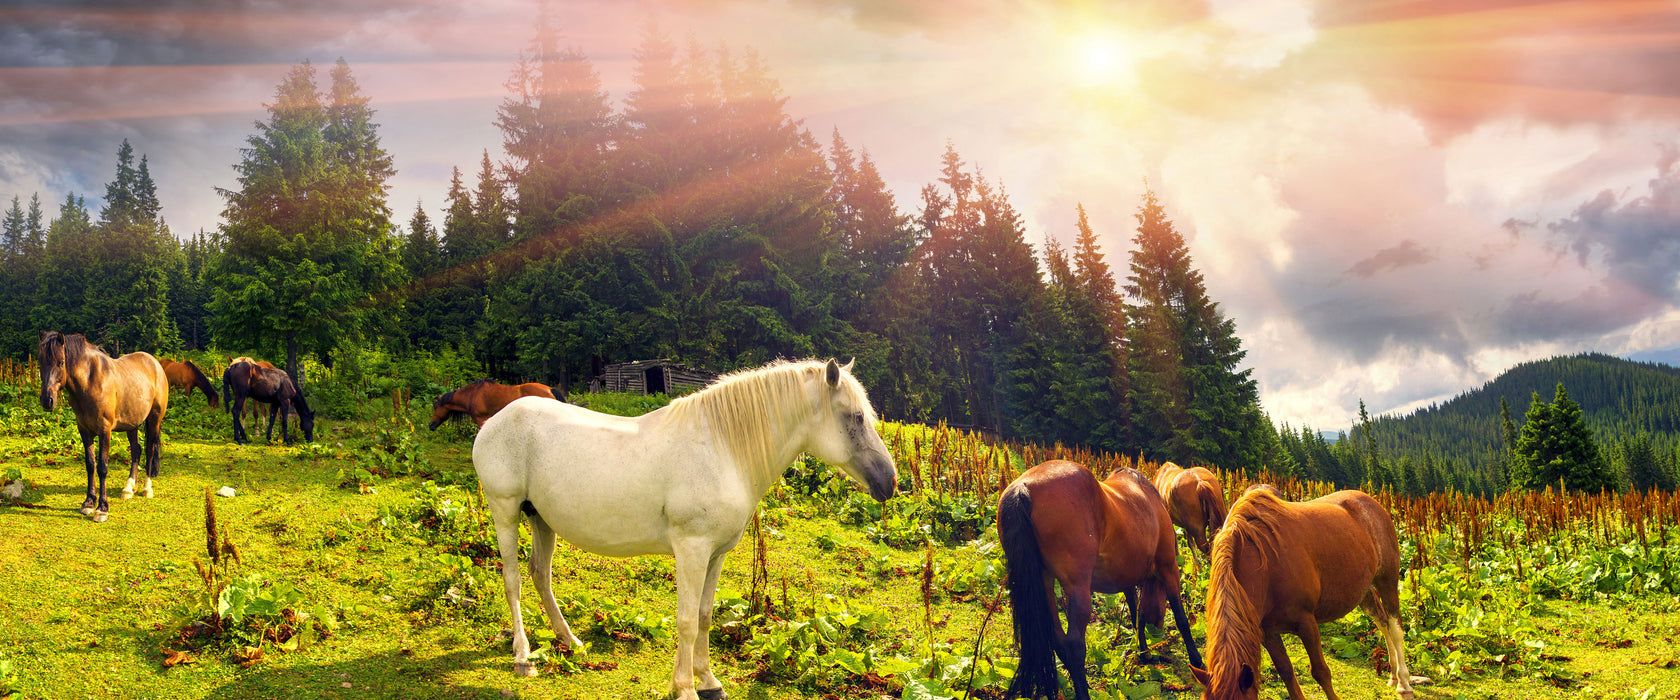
(362,566)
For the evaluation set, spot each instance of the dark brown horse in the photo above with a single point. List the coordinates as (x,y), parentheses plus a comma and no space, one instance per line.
(1286,567)
(187,376)
(1194,501)
(107,395)
(265,364)
(1059,524)
(482,399)
(244,380)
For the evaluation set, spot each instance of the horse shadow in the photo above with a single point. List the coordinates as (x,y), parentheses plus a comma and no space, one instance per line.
(384,675)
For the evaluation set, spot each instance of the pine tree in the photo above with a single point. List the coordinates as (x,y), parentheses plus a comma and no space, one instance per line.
(1641,466)
(309,246)
(1188,401)
(1557,447)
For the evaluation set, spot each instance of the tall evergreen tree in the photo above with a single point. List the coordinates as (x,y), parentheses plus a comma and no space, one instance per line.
(1189,402)
(308,242)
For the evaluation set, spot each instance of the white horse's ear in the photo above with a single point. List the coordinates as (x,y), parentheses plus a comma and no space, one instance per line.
(833,374)
(848,365)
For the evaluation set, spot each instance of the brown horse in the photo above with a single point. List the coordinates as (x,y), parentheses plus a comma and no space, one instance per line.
(1285,567)
(265,364)
(244,380)
(187,376)
(1193,500)
(122,394)
(482,399)
(1059,524)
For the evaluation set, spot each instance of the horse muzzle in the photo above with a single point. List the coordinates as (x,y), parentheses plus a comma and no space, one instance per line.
(49,402)
(882,479)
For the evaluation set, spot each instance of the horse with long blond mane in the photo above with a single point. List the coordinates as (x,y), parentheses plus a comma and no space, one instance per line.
(108,395)
(1193,501)
(1287,567)
(1059,524)
(681,481)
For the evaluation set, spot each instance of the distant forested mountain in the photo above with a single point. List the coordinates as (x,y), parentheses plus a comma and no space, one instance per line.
(1619,398)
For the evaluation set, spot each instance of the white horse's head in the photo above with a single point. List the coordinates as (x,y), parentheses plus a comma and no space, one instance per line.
(843,433)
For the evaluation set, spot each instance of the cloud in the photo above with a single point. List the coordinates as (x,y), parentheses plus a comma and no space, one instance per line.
(1407,254)
(1457,63)
(1638,241)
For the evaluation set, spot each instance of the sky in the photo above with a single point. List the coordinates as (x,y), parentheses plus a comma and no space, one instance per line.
(1395,200)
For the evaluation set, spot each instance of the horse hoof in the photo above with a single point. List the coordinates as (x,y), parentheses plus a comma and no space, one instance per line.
(1421,680)
(87,510)
(100,516)
(524,668)
(712,694)
(127,494)
(148,492)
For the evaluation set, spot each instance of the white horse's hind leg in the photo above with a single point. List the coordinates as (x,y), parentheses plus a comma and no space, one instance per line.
(542,573)
(693,561)
(709,687)
(507,541)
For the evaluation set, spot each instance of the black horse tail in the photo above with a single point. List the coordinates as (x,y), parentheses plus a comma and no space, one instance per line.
(227,389)
(1035,620)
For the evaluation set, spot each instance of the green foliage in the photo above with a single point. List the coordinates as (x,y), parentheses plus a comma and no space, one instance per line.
(1557,447)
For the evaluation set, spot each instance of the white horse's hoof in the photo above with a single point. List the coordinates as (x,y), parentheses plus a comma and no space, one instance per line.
(87,510)
(127,494)
(524,668)
(1421,680)
(148,492)
(713,694)
(99,516)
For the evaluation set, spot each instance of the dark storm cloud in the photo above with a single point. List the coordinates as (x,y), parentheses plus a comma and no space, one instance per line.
(1366,333)
(1406,254)
(1637,240)
(1455,63)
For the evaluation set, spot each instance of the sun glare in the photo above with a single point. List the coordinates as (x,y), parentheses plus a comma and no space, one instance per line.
(1103,60)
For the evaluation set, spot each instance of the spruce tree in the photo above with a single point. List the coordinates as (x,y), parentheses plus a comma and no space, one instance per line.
(309,250)
(1556,447)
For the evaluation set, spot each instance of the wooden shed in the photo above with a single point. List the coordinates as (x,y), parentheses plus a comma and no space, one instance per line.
(652,377)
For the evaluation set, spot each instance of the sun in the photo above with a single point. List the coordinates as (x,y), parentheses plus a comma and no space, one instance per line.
(1106,59)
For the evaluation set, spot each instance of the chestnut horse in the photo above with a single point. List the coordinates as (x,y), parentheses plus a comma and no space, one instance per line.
(482,399)
(1059,524)
(244,380)
(187,376)
(122,394)
(1285,567)
(1193,500)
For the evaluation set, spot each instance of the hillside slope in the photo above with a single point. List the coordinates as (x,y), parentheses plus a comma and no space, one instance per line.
(1618,398)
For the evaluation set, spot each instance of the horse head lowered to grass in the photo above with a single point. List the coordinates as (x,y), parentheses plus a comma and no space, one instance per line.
(107,395)
(681,481)
(481,399)
(1288,567)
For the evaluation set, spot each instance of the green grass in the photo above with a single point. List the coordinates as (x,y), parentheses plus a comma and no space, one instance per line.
(88,608)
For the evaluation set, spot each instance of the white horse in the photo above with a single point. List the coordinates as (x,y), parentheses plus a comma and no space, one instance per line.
(682,481)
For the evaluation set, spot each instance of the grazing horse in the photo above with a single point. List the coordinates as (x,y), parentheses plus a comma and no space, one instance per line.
(1058,523)
(482,399)
(107,395)
(187,376)
(1193,500)
(681,481)
(244,380)
(1285,567)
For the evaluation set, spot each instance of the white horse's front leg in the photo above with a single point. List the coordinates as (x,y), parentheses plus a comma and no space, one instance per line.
(694,560)
(709,687)
(507,541)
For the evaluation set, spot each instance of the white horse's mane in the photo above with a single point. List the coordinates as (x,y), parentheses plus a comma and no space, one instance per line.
(750,409)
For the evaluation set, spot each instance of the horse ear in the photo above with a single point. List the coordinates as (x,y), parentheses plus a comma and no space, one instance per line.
(1245,680)
(833,374)
(1202,677)
(848,365)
